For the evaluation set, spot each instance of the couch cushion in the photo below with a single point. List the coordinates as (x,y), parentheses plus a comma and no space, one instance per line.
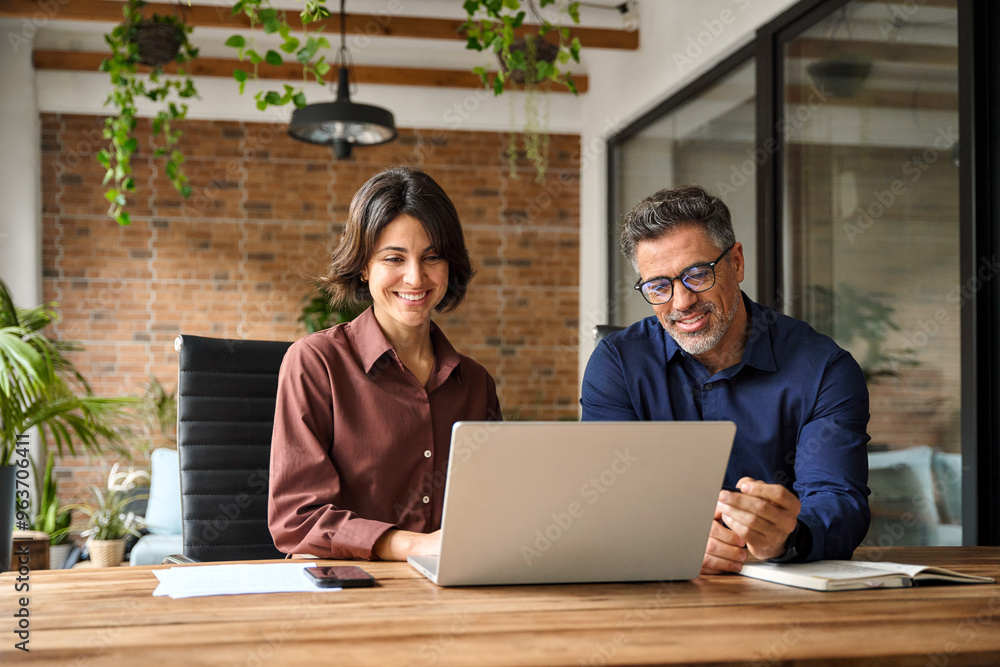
(948,484)
(163,512)
(152,549)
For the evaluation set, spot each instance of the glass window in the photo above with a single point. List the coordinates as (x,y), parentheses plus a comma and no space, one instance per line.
(707,140)
(871,240)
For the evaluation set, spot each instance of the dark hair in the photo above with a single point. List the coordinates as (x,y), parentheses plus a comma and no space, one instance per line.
(665,211)
(385,197)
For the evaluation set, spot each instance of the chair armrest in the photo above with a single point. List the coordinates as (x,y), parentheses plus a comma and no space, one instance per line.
(178,559)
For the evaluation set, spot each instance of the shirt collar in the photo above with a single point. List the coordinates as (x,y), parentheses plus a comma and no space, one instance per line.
(758,352)
(372,345)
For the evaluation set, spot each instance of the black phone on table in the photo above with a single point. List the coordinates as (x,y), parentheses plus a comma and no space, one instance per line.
(339,576)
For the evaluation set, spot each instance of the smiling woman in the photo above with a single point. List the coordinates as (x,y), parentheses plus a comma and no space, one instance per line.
(363,421)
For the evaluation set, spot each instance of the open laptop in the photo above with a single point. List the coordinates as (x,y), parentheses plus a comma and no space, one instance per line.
(562,502)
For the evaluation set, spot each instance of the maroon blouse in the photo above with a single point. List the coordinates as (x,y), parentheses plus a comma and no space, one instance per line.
(359,445)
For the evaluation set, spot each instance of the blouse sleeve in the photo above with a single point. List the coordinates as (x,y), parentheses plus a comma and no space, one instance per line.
(304,515)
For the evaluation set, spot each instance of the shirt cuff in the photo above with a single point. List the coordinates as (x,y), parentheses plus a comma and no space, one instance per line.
(356,539)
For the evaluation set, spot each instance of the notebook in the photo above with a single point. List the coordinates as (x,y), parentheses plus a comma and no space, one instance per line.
(563,502)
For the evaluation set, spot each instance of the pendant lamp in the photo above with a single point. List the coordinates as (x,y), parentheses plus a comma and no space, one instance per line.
(343,123)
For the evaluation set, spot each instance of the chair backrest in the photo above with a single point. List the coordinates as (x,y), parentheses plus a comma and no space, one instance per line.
(602,330)
(226,392)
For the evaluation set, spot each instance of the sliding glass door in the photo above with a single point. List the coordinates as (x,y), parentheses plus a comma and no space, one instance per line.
(871,239)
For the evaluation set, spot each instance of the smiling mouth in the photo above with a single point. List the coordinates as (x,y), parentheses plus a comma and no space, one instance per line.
(411,297)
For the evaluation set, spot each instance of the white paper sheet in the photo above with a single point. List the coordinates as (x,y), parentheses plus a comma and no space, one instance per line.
(235,579)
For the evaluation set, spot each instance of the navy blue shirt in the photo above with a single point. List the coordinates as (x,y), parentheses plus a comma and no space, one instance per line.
(799,401)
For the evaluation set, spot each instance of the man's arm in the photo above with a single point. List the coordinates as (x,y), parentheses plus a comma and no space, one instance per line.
(831,474)
(831,463)
(604,396)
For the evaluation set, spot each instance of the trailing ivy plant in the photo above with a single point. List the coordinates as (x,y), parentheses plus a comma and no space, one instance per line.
(491,26)
(308,52)
(129,86)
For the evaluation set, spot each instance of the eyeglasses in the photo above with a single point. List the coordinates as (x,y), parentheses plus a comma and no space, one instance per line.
(697,278)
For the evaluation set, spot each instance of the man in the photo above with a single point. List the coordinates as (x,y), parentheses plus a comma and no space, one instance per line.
(800,402)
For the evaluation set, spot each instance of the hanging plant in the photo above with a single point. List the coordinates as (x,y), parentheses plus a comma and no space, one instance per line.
(529,61)
(152,42)
(308,51)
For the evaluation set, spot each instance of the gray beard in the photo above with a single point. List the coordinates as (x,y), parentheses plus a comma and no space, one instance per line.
(700,342)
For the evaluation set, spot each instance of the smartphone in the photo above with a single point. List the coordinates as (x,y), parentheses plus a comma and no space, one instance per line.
(339,576)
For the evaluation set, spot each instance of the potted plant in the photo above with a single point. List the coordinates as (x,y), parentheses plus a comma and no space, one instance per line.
(111,521)
(40,387)
(50,518)
(319,313)
(152,42)
(531,60)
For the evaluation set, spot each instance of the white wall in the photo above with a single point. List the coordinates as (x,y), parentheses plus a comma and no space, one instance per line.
(20,170)
(676,46)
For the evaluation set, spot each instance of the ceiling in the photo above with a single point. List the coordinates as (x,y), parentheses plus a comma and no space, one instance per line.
(392,42)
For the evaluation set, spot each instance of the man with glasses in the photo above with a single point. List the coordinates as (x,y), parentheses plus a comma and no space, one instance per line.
(800,402)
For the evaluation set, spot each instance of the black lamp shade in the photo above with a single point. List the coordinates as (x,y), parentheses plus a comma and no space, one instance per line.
(342,123)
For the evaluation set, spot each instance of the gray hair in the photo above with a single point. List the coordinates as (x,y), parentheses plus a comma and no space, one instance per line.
(667,210)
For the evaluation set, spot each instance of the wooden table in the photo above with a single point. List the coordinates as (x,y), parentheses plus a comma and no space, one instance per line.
(109,617)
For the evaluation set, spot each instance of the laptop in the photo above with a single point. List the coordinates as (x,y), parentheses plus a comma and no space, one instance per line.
(572,502)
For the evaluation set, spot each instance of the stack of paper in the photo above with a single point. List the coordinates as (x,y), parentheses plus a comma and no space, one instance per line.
(239,579)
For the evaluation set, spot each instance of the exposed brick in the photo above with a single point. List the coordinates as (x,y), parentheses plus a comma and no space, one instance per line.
(239,256)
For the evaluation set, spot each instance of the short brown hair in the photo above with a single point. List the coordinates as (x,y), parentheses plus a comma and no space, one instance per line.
(386,196)
(662,212)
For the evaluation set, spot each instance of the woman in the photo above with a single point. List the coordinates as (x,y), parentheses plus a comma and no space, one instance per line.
(362,426)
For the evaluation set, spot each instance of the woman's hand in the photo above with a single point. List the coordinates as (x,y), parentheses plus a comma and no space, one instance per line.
(399,544)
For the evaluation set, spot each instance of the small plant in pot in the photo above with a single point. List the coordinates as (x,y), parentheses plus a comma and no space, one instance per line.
(152,42)
(111,522)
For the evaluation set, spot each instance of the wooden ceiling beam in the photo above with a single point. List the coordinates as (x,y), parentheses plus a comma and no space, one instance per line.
(371,25)
(81,61)
(899,52)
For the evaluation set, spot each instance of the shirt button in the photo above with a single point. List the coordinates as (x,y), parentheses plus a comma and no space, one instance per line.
(427,454)
(708,387)
(427,499)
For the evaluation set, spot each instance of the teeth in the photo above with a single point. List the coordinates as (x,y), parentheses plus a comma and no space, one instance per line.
(411,297)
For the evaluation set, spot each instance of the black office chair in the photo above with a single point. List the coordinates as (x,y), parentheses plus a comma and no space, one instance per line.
(602,330)
(226,392)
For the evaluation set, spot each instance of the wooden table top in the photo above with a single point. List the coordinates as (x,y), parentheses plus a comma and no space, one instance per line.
(109,617)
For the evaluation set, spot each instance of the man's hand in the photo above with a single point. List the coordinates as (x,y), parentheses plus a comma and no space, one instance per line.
(398,544)
(763,515)
(725,551)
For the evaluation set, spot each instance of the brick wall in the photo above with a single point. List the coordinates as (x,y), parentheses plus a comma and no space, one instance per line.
(236,259)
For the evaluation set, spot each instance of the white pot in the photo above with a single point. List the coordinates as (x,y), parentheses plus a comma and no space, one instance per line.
(57,555)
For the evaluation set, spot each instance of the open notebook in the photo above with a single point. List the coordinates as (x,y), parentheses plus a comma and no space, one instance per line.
(848,575)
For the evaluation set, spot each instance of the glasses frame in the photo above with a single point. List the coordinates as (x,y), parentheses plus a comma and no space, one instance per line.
(710,265)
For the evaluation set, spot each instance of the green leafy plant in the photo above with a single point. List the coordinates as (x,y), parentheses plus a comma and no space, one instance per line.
(308,51)
(492,26)
(50,518)
(110,517)
(40,387)
(854,317)
(128,42)
(157,416)
(318,313)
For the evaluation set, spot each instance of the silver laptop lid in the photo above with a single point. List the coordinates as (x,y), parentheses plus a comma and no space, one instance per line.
(560,502)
